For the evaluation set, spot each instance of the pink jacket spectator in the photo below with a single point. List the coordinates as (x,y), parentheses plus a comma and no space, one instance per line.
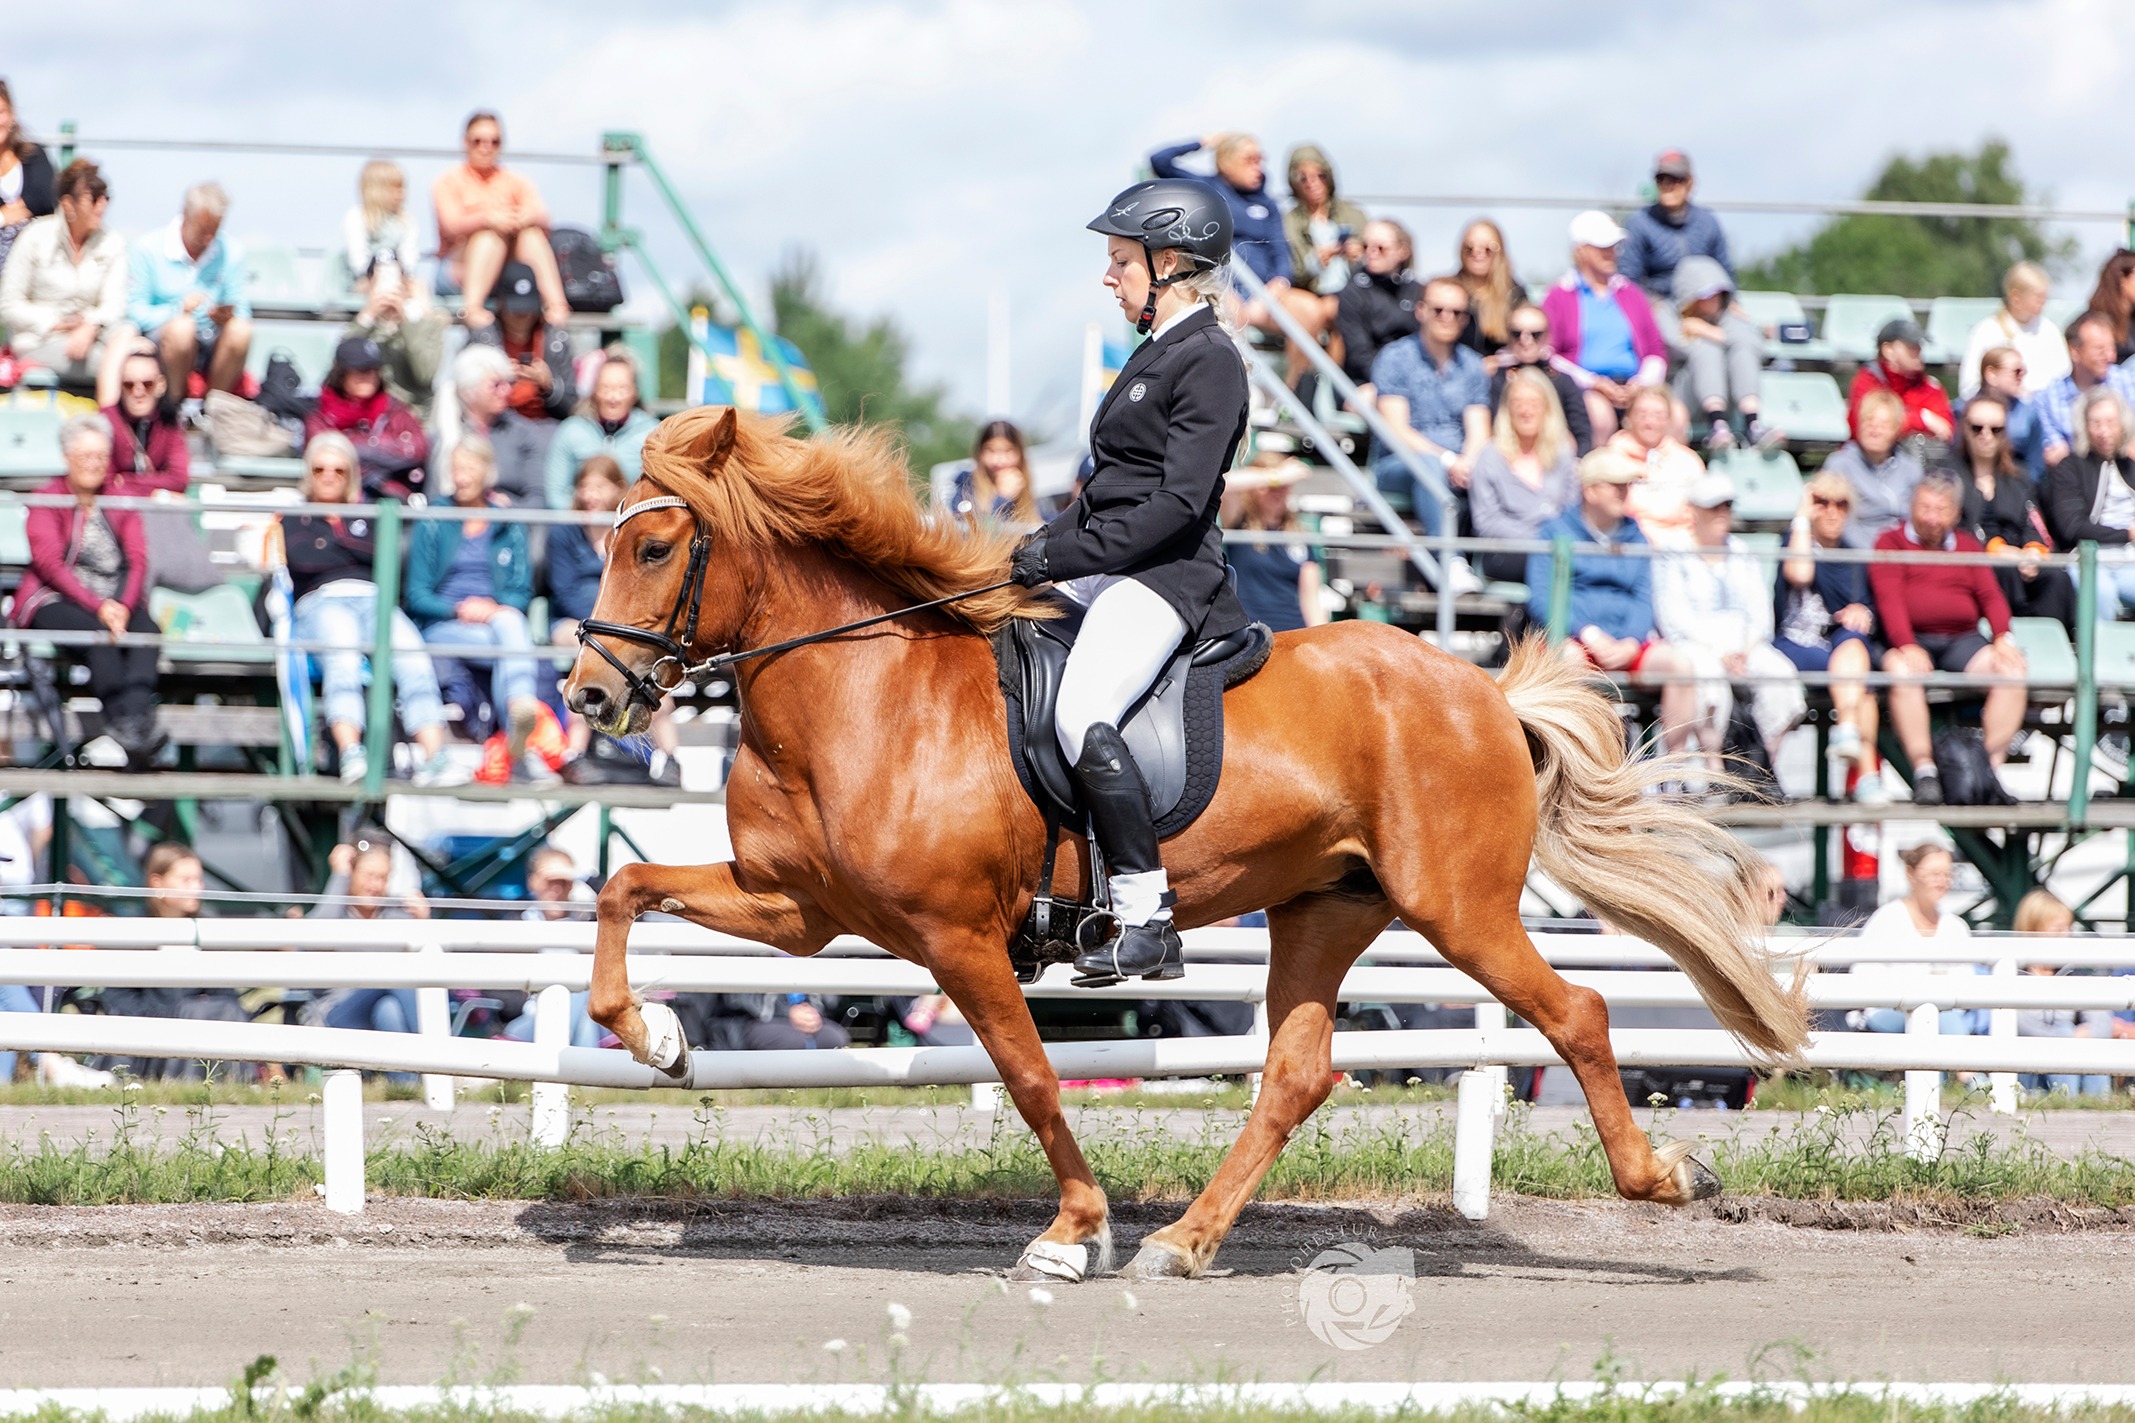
(170,463)
(1561,306)
(55,536)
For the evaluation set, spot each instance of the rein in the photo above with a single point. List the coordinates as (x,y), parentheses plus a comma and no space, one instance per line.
(673,640)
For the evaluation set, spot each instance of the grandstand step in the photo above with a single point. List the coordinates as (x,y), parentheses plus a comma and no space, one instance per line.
(218,785)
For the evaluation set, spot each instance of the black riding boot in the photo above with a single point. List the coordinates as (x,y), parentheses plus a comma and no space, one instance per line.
(1118,804)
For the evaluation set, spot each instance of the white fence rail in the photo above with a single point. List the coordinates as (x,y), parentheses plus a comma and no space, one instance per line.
(1402,968)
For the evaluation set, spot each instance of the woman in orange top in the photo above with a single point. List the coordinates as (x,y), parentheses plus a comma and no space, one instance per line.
(487,216)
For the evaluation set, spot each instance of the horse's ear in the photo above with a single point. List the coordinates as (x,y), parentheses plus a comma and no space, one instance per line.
(712,440)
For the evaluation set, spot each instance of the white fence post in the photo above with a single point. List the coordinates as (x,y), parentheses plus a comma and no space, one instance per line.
(342,1097)
(1923,1092)
(987,1096)
(552,1100)
(2001,1023)
(1489,1015)
(1474,1139)
(433,1019)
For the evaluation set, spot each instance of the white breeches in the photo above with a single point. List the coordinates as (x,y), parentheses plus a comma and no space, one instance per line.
(1127,637)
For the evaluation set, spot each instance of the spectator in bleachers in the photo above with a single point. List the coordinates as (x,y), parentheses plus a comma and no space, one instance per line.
(1907,921)
(1881,472)
(1931,615)
(1323,228)
(1999,512)
(1528,348)
(1609,620)
(1900,369)
(173,874)
(1659,501)
(487,216)
(1529,472)
(1722,355)
(772,1022)
(89,573)
(1258,240)
(148,448)
(2092,363)
(332,576)
(186,292)
(1602,324)
(2020,323)
(2090,495)
(1434,388)
(362,871)
(543,390)
(2039,912)
(2114,299)
(63,289)
(1378,307)
(1494,293)
(576,555)
(469,583)
(1660,235)
(612,421)
(391,449)
(482,379)
(1279,584)
(997,484)
(1713,607)
(552,882)
(1824,622)
(378,236)
(26,187)
(2002,374)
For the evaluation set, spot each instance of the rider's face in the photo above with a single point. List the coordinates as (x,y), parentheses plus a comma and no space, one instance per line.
(1127,274)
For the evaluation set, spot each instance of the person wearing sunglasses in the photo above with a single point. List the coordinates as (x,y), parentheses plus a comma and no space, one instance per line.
(63,288)
(2020,323)
(1378,307)
(1602,324)
(148,449)
(1999,512)
(2003,374)
(488,215)
(1825,622)
(1434,391)
(1493,292)
(1527,348)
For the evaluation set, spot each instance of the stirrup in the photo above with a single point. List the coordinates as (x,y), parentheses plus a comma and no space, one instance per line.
(1157,956)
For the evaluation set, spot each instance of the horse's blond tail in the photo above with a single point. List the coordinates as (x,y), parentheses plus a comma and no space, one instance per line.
(1648,864)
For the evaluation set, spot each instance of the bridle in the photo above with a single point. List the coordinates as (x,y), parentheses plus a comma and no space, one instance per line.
(674,640)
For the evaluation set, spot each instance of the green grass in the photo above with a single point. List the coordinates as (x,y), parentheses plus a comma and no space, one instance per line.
(1822,1156)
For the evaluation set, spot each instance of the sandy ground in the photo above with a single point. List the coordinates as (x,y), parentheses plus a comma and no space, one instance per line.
(434,1290)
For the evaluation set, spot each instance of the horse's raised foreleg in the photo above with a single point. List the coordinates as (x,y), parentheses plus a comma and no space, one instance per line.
(973,970)
(1312,941)
(708,895)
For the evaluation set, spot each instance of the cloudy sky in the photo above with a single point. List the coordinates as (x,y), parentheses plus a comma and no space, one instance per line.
(933,153)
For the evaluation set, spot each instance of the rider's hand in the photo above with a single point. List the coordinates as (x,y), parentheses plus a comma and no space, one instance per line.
(1027,566)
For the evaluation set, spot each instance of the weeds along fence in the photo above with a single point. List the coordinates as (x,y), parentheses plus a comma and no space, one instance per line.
(430,957)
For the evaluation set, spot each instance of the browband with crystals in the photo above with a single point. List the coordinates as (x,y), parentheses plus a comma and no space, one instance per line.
(664,501)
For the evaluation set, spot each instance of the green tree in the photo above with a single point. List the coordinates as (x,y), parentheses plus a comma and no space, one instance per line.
(861,368)
(1921,256)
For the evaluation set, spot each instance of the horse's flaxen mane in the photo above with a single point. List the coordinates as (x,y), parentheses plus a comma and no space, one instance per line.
(846,489)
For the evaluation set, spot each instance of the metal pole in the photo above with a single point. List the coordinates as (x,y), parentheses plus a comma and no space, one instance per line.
(1560,588)
(378,710)
(2079,789)
(634,144)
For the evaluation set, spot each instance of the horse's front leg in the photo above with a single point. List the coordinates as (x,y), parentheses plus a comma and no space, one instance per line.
(703,894)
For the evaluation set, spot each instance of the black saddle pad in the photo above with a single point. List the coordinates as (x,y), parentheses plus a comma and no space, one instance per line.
(1175,731)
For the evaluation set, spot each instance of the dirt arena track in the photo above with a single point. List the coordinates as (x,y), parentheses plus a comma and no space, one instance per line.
(753,1292)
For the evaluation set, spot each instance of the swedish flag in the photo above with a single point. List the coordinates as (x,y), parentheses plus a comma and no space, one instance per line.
(728,367)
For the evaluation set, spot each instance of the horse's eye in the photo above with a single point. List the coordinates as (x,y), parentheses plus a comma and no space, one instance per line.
(653,551)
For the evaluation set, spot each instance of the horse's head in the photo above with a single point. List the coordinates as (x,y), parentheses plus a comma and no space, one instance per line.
(662,600)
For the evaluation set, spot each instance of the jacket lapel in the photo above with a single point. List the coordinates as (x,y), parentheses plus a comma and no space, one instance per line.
(1143,355)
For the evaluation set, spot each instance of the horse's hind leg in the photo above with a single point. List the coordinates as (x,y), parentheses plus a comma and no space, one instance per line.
(1491,946)
(1312,941)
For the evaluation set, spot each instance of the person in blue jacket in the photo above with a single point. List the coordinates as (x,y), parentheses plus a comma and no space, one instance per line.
(1257,237)
(469,584)
(1609,623)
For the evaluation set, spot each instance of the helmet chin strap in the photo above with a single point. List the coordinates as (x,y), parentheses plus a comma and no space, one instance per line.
(1157,284)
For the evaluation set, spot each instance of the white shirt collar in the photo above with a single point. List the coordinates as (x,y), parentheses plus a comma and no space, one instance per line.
(1158,334)
(174,244)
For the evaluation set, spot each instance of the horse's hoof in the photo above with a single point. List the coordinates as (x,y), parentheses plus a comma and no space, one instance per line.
(666,1047)
(1158,1262)
(1704,1181)
(1688,1178)
(1045,1260)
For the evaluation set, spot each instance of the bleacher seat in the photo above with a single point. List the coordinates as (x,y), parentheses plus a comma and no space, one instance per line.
(308,344)
(222,614)
(1770,311)
(1767,484)
(29,442)
(2049,658)
(1807,405)
(1950,320)
(2115,657)
(274,279)
(14,534)
(1851,323)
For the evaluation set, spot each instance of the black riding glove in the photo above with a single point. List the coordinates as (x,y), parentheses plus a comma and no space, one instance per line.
(1027,566)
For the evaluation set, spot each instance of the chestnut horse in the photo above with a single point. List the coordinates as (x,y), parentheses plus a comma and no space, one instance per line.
(1368,777)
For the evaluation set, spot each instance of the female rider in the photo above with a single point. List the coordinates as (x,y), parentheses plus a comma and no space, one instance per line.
(1140,547)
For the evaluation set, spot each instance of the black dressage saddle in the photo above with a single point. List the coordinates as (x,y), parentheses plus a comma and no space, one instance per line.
(1175,732)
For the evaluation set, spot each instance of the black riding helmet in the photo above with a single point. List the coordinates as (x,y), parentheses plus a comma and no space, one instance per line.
(1185,215)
